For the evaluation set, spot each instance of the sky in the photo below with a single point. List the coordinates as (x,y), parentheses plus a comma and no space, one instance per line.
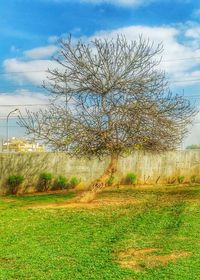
(30,29)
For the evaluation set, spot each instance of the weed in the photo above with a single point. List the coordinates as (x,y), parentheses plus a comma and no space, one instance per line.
(180,179)
(14,181)
(110,180)
(44,181)
(131,178)
(74,182)
(60,183)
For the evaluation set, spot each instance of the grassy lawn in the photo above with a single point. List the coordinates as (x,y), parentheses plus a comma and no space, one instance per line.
(126,233)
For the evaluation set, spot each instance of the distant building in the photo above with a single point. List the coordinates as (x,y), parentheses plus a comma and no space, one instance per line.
(193,147)
(21,145)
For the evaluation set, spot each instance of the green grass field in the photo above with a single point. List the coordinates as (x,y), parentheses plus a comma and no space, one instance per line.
(126,233)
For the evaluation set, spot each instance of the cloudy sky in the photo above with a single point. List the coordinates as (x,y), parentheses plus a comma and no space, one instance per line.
(29,30)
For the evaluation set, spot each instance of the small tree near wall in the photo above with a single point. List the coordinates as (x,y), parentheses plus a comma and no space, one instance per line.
(110,98)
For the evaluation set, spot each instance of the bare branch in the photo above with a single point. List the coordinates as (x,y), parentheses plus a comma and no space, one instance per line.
(113,99)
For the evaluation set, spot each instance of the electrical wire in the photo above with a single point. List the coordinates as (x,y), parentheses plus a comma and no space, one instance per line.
(24,105)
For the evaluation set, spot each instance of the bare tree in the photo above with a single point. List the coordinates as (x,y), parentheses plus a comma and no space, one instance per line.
(110,98)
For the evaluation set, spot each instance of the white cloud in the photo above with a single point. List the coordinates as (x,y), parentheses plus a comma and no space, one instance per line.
(22,98)
(194,136)
(178,58)
(194,132)
(193,32)
(19,99)
(33,71)
(41,52)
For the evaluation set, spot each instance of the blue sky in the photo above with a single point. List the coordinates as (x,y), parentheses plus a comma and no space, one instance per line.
(29,30)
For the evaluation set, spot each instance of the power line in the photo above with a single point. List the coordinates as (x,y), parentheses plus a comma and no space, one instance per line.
(13,117)
(167,60)
(24,105)
(42,71)
(22,72)
(16,126)
(197,96)
(45,104)
(39,87)
(186,80)
(47,70)
(174,81)
(16,84)
(181,59)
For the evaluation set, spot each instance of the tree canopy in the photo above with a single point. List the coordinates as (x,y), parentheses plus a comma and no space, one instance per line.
(110,98)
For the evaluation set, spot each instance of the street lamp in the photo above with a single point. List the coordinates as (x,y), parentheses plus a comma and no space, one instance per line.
(15,110)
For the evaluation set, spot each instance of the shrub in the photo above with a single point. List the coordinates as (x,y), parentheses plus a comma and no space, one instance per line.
(180,179)
(60,183)
(14,181)
(45,181)
(74,182)
(171,180)
(131,178)
(110,180)
(193,178)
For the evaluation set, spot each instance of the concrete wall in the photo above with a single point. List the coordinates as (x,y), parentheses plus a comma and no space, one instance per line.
(149,168)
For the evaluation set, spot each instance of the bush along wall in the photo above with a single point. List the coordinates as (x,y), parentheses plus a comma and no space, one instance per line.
(150,168)
(14,182)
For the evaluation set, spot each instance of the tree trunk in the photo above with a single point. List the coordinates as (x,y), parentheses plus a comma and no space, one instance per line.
(97,185)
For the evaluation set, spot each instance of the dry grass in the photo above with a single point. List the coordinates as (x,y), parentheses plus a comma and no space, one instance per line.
(93,200)
(137,259)
(87,197)
(96,203)
(82,186)
(125,195)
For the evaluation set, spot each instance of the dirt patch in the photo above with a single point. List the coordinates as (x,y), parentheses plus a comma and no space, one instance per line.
(48,192)
(8,199)
(93,204)
(166,199)
(61,205)
(119,201)
(182,238)
(139,259)
(3,260)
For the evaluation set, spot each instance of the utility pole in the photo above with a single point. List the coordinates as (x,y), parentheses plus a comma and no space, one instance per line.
(182,121)
(15,110)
